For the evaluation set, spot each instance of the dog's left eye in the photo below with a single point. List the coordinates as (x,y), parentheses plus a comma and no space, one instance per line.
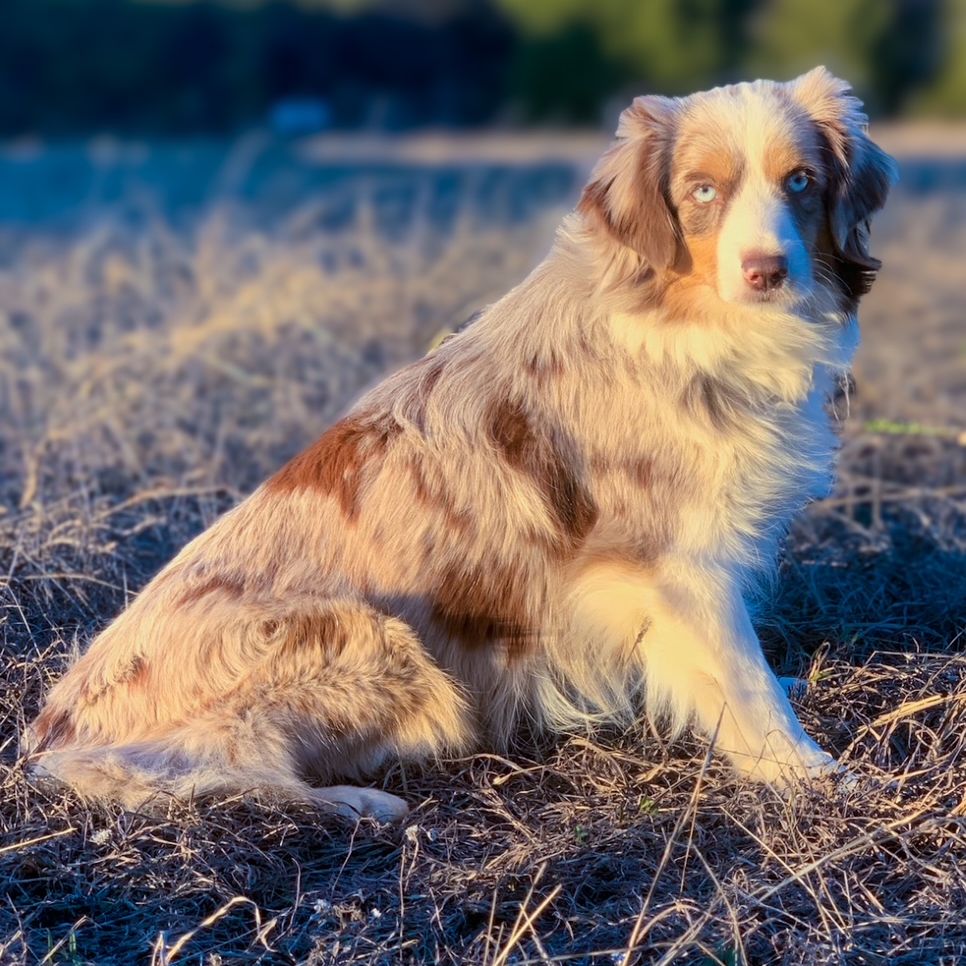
(705,194)
(798,181)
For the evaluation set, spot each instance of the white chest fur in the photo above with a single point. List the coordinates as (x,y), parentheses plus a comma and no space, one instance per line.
(738,418)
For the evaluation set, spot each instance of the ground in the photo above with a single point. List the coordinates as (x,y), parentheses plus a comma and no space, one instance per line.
(175,321)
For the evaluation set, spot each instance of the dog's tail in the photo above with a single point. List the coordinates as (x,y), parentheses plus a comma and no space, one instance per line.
(147,775)
(100,774)
(180,761)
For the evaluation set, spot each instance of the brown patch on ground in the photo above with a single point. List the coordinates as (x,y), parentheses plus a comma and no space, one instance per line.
(339,463)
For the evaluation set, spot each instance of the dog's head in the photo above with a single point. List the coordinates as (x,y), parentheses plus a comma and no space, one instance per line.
(752,194)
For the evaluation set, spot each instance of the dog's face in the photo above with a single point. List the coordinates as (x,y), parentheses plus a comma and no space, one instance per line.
(755,194)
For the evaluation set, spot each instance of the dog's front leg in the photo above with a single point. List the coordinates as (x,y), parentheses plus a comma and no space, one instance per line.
(704,663)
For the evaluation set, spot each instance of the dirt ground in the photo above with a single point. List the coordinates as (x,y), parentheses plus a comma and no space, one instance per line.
(162,351)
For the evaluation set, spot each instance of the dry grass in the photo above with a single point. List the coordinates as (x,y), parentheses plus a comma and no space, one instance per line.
(149,377)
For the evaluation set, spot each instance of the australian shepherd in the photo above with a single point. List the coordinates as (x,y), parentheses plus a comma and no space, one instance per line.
(555,516)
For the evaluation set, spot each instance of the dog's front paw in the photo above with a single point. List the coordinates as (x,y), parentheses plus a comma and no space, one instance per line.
(814,769)
(786,762)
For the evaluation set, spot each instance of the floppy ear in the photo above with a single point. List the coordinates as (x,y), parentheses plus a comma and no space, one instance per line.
(860,172)
(626,194)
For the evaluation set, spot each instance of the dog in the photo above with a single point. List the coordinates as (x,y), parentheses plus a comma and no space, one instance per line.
(553,518)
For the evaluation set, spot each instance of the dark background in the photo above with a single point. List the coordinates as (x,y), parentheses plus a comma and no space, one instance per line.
(178,67)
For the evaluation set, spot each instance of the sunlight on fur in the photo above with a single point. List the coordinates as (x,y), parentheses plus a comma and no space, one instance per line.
(554,517)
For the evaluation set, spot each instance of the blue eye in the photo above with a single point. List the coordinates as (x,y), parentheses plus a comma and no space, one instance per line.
(798,182)
(704,194)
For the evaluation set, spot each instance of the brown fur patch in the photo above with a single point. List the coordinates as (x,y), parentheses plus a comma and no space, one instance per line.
(782,157)
(625,198)
(707,162)
(432,493)
(433,372)
(53,728)
(433,369)
(339,462)
(302,633)
(534,454)
(476,630)
(482,607)
(704,154)
(137,673)
(544,367)
(641,471)
(228,586)
(851,279)
(715,402)
(702,273)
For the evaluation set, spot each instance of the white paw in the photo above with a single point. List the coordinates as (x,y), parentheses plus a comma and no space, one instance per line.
(814,768)
(817,766)
(844,779)
(355,803)
(785,761)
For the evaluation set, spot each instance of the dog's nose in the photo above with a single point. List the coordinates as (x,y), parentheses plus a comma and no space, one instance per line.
(764,272)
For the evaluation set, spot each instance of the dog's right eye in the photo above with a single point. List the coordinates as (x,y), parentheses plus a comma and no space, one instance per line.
(704,193)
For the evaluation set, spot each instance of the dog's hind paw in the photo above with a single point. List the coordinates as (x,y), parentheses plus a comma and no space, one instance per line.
(352,802)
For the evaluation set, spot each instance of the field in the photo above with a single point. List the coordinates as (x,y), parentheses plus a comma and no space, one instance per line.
(175,321)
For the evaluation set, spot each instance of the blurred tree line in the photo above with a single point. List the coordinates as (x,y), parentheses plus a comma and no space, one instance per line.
(182,66)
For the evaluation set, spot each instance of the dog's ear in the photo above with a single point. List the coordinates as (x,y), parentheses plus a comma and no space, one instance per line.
(860,173)
(626,196)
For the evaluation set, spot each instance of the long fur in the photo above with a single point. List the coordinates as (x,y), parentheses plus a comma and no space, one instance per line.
(554,516)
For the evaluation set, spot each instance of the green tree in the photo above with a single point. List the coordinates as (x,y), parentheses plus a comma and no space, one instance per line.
(946,96)
(792,36)
(885,49)
(672,46)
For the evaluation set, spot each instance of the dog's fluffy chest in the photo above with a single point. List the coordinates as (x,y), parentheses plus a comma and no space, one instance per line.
(711,468)
(755,475)
(727,432)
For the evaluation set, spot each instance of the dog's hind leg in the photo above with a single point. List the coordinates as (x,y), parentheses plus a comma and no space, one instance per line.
(145,776)
(331,690)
